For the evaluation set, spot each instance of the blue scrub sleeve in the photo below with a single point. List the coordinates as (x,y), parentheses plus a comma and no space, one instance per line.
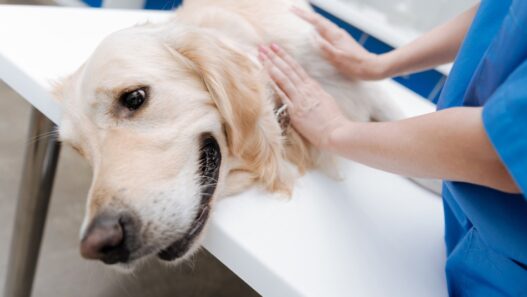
(505,120)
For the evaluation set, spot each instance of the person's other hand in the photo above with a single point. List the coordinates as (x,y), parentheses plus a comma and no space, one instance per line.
(346,54)
(313,112)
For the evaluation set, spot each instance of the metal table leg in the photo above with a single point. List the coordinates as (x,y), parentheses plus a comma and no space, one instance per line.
(38,173)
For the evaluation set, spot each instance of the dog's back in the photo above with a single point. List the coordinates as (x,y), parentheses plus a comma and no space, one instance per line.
(251,23)
(261,22)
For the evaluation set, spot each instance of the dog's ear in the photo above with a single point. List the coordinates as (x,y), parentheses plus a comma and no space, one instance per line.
(230,79)
(234,83)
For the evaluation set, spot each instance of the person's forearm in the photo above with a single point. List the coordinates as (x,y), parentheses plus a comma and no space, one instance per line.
(437,47)
(449,144)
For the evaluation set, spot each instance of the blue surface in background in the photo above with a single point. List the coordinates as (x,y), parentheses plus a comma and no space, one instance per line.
(428,84)
(162,4)
(93,3)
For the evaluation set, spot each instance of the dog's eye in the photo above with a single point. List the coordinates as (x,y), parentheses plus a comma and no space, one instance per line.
(134,99)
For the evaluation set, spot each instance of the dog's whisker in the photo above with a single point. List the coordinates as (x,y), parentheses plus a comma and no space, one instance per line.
(134,275)
(206,194)
(209,185)
(192,262)
(53,133)
(209,177)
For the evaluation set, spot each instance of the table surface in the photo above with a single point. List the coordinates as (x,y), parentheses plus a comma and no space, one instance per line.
(372,234)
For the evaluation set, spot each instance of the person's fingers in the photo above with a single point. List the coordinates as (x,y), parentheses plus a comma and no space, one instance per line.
(279,63)
(290,61)
(324,27)
(327,49)
(303,14)
(280,79)
(283,97)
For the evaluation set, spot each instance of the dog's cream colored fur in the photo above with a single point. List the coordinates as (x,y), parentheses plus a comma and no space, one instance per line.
(203,76)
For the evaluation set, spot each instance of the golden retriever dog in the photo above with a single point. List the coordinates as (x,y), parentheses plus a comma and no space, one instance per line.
(173,115)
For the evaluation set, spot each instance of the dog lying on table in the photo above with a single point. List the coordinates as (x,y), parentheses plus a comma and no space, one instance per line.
(175,114)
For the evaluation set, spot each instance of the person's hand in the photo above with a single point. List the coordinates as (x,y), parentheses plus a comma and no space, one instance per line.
(313,112)
(346,54)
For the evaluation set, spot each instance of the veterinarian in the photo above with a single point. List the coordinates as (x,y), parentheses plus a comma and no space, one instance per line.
(476,141)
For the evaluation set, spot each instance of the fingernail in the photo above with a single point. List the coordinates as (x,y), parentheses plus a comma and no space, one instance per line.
(263,49)
(262,56)
(275,47)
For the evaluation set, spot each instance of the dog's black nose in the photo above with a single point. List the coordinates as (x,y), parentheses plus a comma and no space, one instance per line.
(105,239)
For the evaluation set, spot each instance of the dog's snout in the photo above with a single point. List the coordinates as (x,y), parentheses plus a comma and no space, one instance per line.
(105,239)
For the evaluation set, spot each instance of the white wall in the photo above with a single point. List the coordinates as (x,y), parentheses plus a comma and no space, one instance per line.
(416,15)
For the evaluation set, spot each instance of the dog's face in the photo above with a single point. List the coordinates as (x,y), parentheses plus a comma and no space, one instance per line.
(157,112)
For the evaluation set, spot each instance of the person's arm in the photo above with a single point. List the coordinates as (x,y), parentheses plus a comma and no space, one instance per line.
(450,144)
(437,47)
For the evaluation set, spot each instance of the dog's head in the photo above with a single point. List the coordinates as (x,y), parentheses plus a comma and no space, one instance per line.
(158,112)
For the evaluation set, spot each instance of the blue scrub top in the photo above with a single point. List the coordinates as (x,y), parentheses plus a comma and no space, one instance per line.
(486,230)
